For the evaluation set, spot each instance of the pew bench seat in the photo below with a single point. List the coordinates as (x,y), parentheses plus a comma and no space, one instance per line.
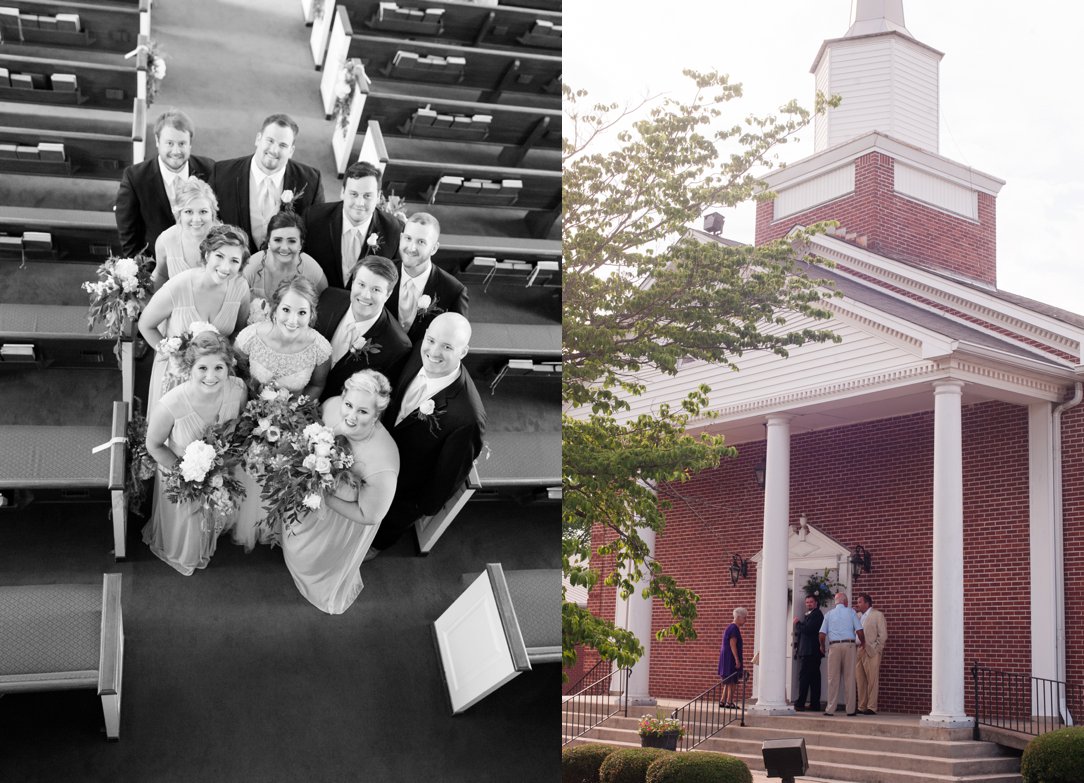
(64,637)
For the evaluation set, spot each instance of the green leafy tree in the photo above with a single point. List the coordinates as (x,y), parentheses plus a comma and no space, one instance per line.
(640,295)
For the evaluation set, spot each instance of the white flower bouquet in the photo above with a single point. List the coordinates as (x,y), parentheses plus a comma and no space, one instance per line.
(118,296)
(205,476)
(309,465)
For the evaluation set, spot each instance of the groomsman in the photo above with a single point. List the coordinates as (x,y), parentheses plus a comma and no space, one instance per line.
(253,188)
(437,420)
(425,290)
(339,233)
(144,206)
(362,334)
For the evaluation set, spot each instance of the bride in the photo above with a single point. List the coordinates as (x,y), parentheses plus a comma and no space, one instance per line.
(324,551)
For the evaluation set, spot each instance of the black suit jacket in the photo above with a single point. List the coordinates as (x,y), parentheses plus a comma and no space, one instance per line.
(448,295)
(808,629)
(386,335)
(142,208)
(230,181)
(324,239)
(436,453)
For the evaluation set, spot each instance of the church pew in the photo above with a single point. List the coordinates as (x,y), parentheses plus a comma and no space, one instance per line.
(503,624)
(459,22)
(71,82)
(455,183)
(490,72)
(61,461)
(69,151)
(519,128)
(107,26)
(64,637)
(70,235)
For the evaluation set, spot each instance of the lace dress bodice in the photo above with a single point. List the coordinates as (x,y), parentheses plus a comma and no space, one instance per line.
(291,371)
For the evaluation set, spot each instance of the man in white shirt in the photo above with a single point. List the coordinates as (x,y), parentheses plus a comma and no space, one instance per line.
(425,290)
(437,420)
(144,206)
(251,189)
(840,635)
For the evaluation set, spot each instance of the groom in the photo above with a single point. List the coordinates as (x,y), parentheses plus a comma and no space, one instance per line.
(253,188)
(362,334)
(437,421)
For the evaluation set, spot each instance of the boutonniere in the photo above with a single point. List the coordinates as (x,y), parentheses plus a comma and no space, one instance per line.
(364,348)
(427,305)
(428,413)
(288,197)
(373,241)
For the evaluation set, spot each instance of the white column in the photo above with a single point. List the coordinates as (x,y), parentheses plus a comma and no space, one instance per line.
(1046,604)
(634,614)
(772,620)
(947,644)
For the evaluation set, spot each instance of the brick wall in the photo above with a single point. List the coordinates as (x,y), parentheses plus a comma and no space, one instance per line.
(1073,505)
(898,227)
(871,484)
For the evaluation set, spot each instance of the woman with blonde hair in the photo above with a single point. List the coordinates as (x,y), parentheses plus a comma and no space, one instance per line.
(195,209)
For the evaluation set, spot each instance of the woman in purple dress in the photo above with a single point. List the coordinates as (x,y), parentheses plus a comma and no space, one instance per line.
(730,657)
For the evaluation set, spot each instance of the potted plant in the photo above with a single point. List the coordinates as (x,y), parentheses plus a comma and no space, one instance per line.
(658,731)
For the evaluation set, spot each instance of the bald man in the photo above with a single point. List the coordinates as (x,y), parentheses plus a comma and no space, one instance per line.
(437,420)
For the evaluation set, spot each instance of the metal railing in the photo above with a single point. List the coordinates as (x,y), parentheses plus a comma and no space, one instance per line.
(593,703)
(706,715)
(1022,703)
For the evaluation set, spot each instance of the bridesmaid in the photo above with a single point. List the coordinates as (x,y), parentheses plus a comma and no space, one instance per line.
(286,352)
(176,532)
(213,292)
(324,551)
(281,259)
(177,248)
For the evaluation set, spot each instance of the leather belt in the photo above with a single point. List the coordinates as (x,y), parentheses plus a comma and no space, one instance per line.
(842,641)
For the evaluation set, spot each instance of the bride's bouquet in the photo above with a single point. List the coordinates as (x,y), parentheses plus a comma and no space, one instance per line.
(141,465)
(269,424)
(173,348)
(119,295)
(205,476)
(311,464)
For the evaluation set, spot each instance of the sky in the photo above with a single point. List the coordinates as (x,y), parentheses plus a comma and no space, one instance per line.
(1009,78)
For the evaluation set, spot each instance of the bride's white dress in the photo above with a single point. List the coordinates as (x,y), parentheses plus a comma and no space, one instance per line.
(291,371)
(324,551)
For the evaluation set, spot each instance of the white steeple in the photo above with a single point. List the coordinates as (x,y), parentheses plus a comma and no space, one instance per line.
(888,81)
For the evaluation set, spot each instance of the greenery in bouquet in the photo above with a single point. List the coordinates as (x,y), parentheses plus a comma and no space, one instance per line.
(269,425)
(205,476)
(141,465)
(305,467)
(156,71)
(118,296)
(822,587)
(393,206)
(658,724)
(173,348)
(351,71)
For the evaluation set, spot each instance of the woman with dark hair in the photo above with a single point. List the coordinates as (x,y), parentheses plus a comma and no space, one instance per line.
(280,259)
(178,247)
(213,292)
(288,353)
(325,549)
(178,533)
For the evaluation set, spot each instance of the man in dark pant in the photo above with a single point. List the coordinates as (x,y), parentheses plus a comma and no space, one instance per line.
(806,631)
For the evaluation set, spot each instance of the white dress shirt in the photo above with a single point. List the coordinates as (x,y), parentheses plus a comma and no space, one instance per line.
(257,219)
(418,283)
(433,385)
(340,341)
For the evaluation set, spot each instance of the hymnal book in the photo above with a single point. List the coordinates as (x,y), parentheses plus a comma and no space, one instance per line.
(64,81)
(26,152)
(10,243)
(433,14)
(471,186)
(7,150)
(17,351)
(443,120)
(481,119)
(22,81)
(37,240)
(491,187)
(448,182)
(50,150)
(481,264)
(457,62)
(29,21)
(69,22)
(511,184)
(47,22)
(424,117)
(405,58)
(5,77)
(461,121)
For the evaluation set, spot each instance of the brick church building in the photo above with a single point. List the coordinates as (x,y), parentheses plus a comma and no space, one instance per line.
(943,436)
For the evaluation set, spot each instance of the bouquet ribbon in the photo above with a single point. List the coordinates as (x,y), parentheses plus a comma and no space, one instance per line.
(108,443)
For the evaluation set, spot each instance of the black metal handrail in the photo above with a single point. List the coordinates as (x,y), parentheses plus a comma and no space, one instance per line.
(592,704)
(1023,703)
(706,715)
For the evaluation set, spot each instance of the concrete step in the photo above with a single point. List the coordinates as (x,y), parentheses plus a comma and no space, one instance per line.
(958,749)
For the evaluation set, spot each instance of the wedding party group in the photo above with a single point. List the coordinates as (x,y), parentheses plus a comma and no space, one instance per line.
(308,387)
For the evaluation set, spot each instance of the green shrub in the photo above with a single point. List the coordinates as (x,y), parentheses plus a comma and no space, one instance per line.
(629,765)
(696,767)
(1057,757)
(580,763)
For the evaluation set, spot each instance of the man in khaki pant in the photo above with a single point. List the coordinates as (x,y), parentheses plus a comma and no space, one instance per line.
(868,667)
(837,637)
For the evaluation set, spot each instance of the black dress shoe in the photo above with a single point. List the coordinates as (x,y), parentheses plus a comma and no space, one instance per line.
(798,708)
(851,714)
(868,712)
